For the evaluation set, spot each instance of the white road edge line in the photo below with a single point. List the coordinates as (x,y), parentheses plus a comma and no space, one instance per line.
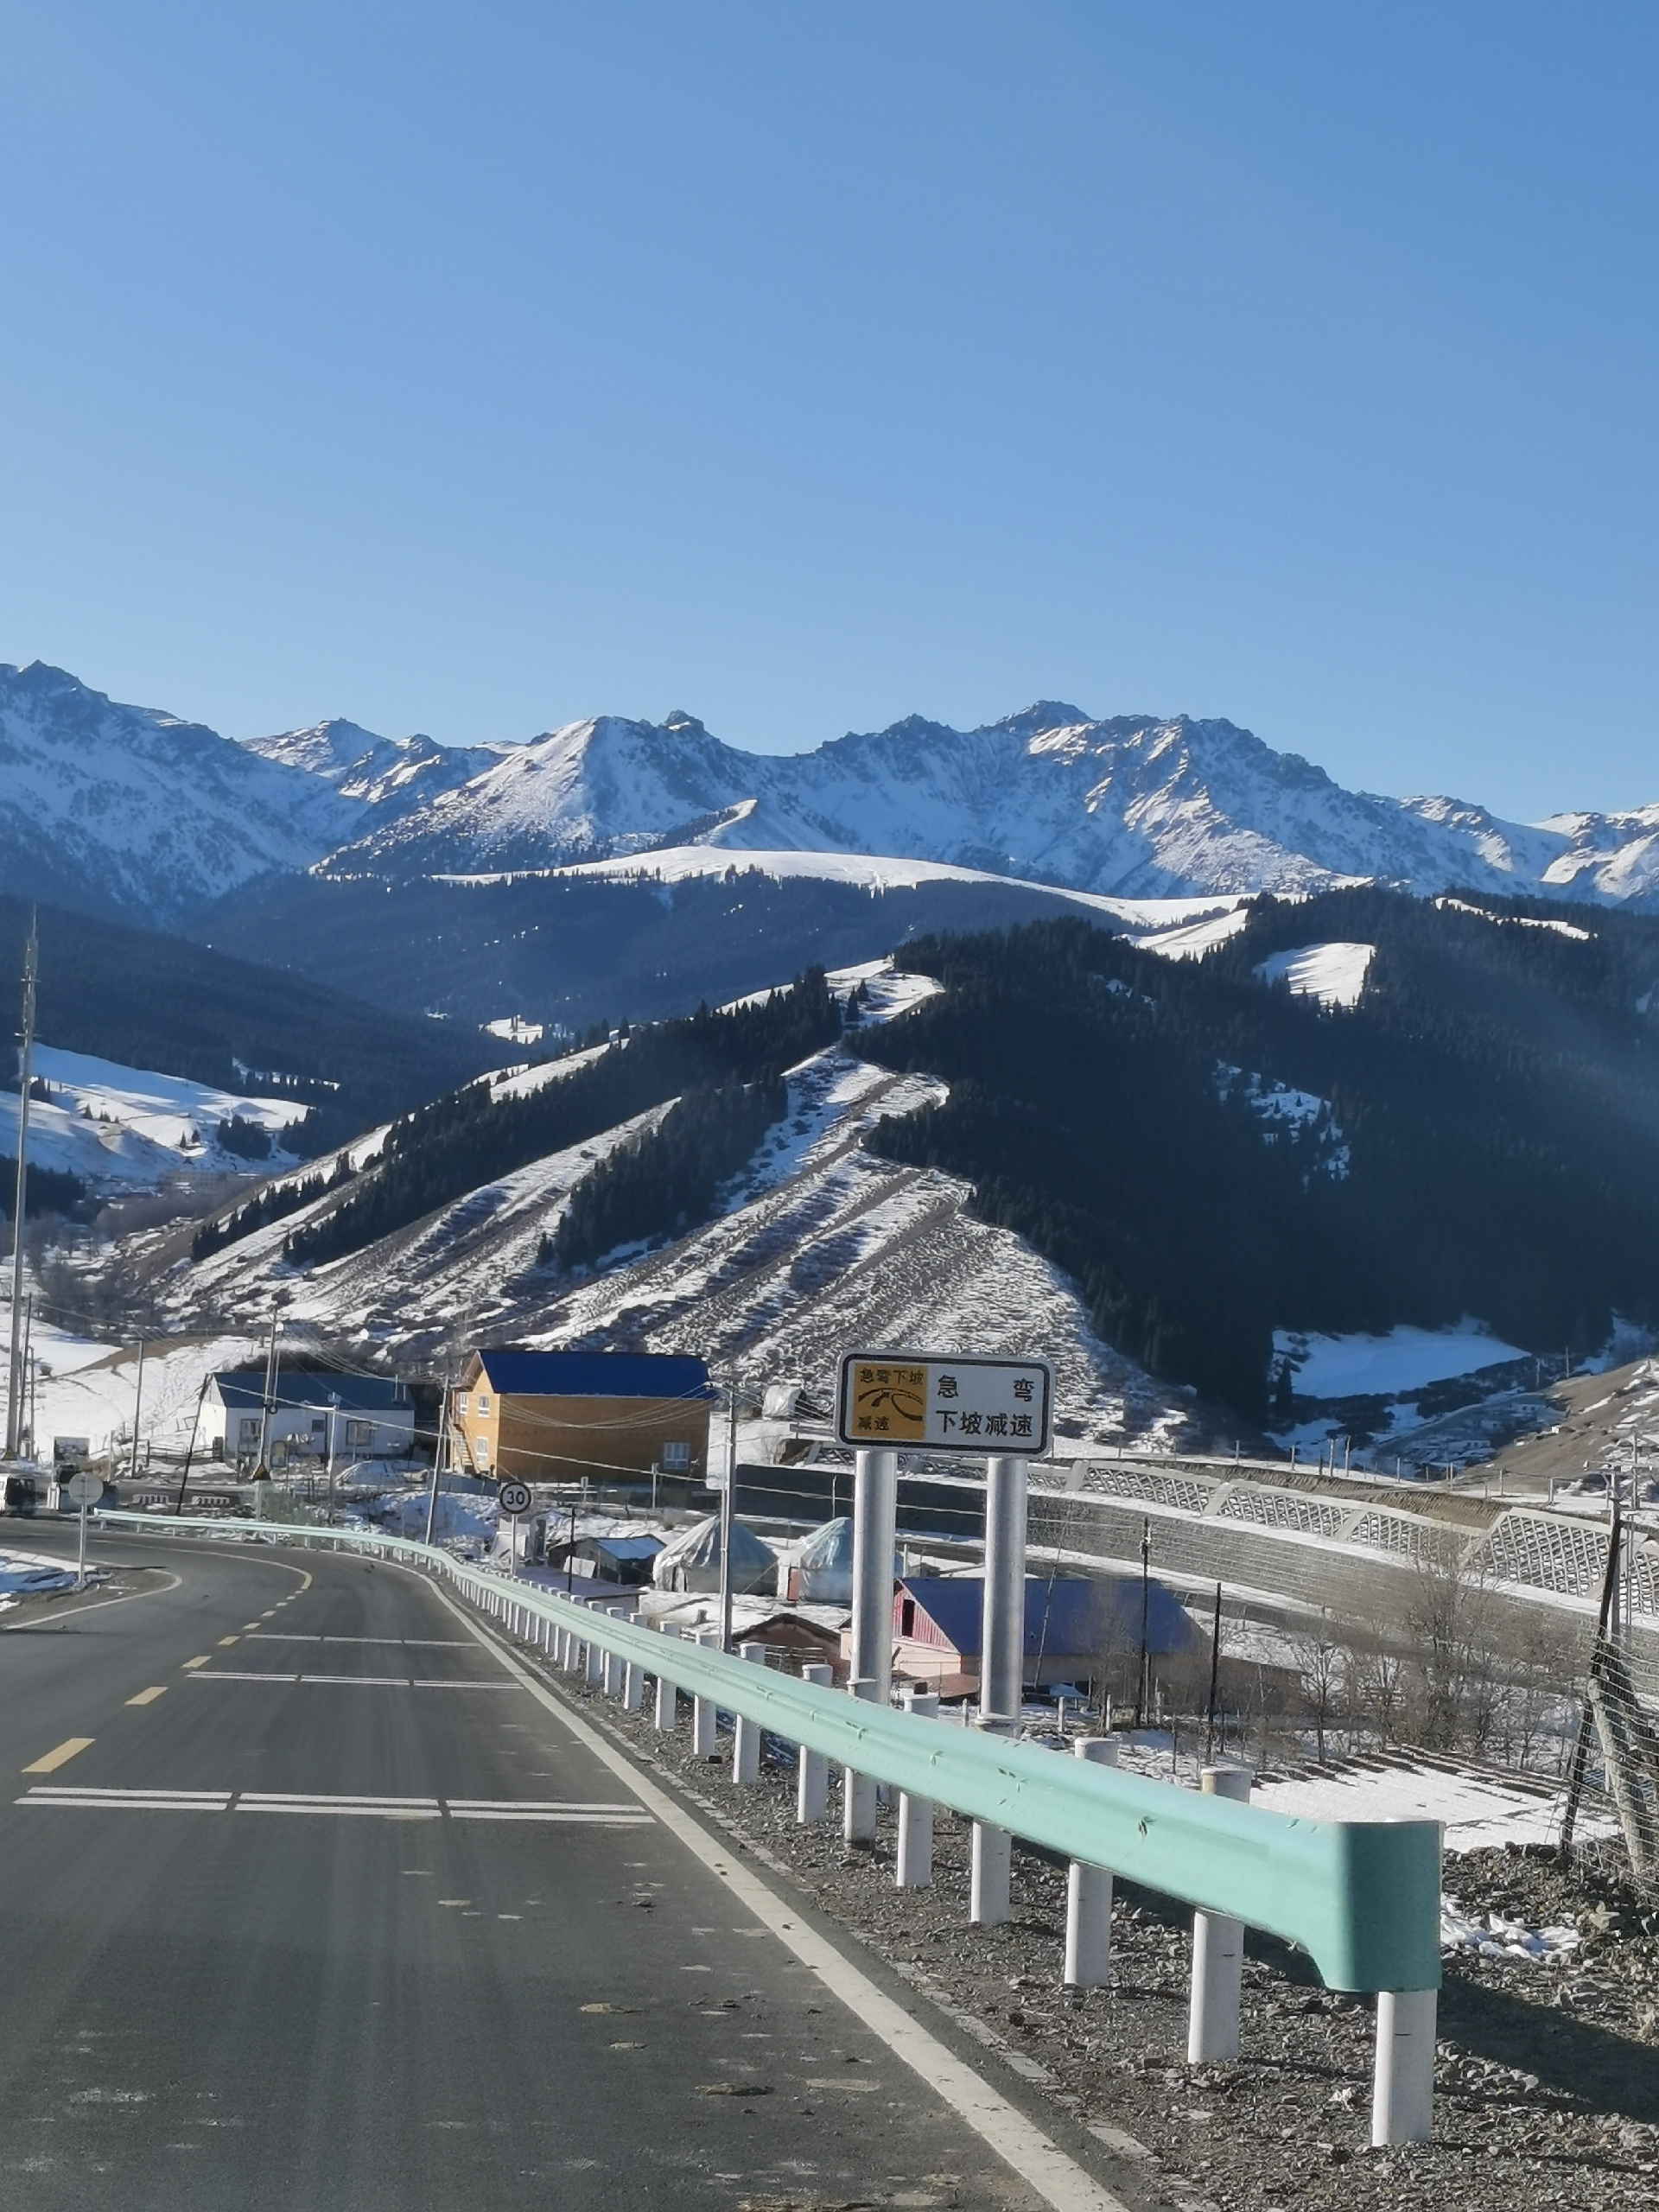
(1017,2141)
(98,1605)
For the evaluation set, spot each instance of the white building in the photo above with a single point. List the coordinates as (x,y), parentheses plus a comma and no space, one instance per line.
(372,1416)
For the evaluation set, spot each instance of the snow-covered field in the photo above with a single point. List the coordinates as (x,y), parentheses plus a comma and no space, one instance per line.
(1405,1359)
(90,1389)
(1192,940)
(1334,974)
(870,872)
(127,1128)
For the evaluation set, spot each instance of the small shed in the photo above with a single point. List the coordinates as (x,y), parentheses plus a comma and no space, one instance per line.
(624,1560)
(690,1560)
(1074,1626)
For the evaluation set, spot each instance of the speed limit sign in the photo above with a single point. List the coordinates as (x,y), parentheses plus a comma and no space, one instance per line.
(513,1498)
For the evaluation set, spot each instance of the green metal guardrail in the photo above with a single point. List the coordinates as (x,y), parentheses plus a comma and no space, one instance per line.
(1362,1898)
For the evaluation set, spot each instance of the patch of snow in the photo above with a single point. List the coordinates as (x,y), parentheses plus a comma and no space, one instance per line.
(516,1030)
(1333,974)
(1192,940)
(1519,921)
(1405,1359)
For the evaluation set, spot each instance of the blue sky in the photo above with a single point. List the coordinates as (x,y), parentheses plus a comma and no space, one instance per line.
(470,368)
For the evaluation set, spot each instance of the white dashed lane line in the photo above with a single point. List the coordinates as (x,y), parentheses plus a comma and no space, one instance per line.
(555,1811)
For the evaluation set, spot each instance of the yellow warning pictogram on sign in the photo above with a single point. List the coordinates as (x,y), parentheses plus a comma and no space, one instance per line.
(889,1404)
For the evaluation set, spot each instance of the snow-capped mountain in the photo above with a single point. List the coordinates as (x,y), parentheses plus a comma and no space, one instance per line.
(124,808)
(1134,807)
(388,773)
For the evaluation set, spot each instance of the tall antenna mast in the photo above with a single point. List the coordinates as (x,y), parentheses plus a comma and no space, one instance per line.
(15,1391)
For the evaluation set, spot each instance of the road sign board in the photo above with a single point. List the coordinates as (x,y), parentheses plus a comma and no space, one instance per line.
(513,1498)
(84,1489)
(993,1405)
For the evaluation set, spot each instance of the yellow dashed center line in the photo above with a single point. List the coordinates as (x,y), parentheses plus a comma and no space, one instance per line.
(66,1751)
(202,1661)
(224,1640)
(147,1697)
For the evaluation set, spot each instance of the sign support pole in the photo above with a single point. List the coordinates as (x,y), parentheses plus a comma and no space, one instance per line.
(875,1484)
(1002,1664)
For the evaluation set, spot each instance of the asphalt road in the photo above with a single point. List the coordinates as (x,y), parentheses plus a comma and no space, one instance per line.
(506,1983)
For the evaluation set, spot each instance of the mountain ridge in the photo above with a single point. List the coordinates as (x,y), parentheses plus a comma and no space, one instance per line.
(131,810)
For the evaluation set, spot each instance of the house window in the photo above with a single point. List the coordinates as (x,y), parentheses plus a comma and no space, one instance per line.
(907,1617)
(481,1451)
(460,1404)
(250,1433)
(483,1405)
(677,1458)
(359,1436)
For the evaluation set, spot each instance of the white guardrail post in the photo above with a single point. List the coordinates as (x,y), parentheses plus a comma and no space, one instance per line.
(1403,2095)
(858,1791)
(667,1708)
(633,1677)
(1217,1952)
(745,1734)
(1362,1897)
(912,1867)
(1088,1896)
(812,1769)
(702,1708)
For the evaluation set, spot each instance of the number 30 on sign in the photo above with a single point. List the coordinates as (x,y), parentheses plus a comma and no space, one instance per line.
(990,1406)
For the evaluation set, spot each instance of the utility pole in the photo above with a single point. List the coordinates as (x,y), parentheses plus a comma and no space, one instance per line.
(440,1454)
(333,1427)
(268,1403)
(137,1409)
(1146,1576)
(14,1393)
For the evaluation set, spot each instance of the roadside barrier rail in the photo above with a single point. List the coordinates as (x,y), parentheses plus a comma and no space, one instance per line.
(1362,1898)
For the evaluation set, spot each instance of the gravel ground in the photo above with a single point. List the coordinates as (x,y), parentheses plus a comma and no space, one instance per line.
(1547,2079)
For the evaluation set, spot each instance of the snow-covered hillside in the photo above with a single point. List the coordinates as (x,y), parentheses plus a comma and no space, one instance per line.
(820,1243)
(122,1128)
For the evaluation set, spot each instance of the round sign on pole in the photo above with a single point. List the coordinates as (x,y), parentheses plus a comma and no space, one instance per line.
(86,1488)
(513,1498)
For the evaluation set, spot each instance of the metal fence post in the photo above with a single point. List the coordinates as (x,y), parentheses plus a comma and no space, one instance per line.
(1089,1895)
(913,1864)
(1403,2095)
(1217,1952)
(668,1701)
(702,1708)
(746,1736)
(858,1791)
(812,1769)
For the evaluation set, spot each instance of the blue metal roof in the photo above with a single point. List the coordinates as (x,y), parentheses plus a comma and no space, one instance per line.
(624,1546)
(1073,1618)
(244,1391)
(595,1374)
